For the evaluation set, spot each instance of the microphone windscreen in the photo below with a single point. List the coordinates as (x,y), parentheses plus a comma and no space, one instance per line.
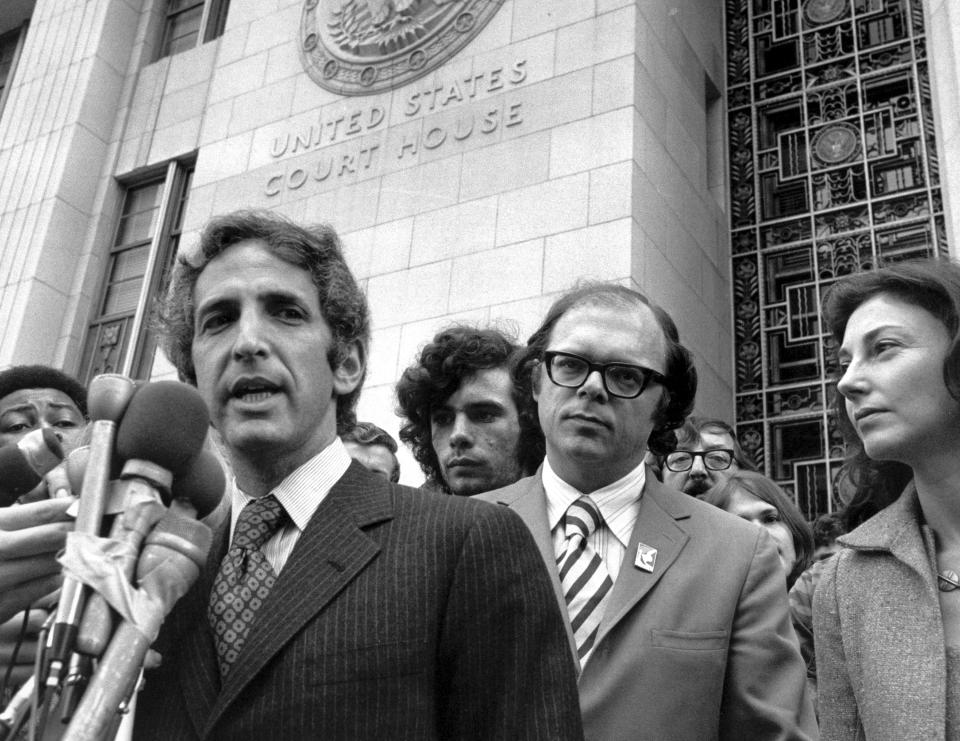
(165,423)
(17,476)
(77,467)
(203,483)
(108,396)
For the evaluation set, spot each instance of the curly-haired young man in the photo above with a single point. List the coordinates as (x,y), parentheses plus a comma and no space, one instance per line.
(468,426)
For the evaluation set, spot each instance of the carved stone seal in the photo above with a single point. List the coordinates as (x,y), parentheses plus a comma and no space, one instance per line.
(359,47)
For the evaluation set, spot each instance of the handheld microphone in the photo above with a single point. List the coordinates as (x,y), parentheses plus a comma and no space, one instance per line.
(172,556)
(201,486)
(76,463)
(157,449)
(24,463)
(107,400)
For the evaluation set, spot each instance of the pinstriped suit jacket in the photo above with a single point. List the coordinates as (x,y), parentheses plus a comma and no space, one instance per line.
(399,615)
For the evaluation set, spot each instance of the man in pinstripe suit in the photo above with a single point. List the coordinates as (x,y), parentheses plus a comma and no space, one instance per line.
(391,614)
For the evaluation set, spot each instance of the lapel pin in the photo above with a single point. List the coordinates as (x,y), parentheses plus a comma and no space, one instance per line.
(646,558)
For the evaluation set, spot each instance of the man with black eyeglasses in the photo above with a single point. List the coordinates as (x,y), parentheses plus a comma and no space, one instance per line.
(676,611)
(707,453)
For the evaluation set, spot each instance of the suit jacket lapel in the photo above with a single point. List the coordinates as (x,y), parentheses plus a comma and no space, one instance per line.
(529,500)
(329,554)
(656,527)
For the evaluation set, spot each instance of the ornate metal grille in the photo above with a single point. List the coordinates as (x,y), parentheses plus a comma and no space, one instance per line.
(833,169)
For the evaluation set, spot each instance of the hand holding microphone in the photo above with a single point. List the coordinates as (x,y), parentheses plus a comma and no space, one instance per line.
(30,537)
(24,463)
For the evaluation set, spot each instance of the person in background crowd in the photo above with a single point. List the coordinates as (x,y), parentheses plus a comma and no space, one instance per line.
(373,448)
(33,397)
(707,452)
(754,497)
(826,529)
(383,613)
(667,598)
(468,426)
(887,609)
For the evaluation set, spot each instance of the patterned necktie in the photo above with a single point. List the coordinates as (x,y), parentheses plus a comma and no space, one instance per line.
(584,577)
(245,578)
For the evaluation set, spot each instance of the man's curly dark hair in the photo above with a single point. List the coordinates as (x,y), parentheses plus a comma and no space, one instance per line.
(315,249)
(454,354)
(680,386)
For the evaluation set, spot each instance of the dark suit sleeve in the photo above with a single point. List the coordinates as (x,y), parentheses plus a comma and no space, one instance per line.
(765,694)
(505,667)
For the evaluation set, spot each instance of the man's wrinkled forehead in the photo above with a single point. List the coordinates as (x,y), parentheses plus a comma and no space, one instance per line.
(284,253)
(711,438)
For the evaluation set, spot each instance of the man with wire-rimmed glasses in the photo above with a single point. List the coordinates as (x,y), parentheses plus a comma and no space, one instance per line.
(674,608)
(707,453)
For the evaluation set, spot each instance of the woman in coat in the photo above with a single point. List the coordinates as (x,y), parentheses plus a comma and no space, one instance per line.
(887,609)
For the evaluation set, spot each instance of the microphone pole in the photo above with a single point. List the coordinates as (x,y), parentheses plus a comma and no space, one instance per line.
(107,398)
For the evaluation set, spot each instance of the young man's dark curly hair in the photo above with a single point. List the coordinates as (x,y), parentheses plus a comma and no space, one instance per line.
(454,354)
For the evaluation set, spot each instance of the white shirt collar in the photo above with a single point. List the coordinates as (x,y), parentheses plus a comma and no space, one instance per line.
(619,501)
(301,492)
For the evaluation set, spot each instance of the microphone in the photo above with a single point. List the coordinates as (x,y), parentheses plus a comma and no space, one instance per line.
(74,467)
(107,399)
(201,486)
(196,493)
(24,463)
(172,556)
(157,451)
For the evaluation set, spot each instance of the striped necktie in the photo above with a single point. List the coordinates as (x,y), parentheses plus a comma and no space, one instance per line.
(584,577)
(245,578)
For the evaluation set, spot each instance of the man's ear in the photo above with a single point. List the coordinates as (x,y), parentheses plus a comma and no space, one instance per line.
(348,373)
(536,377)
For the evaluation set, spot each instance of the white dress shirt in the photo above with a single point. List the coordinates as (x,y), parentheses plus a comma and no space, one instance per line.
(300,493)
(619,504)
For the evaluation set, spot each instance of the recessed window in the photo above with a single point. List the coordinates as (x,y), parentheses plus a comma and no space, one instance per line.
(119,339)
(10,44)
(191,22)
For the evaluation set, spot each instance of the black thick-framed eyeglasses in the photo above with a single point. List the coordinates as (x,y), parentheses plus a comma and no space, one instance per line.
(718,459)
(619,379)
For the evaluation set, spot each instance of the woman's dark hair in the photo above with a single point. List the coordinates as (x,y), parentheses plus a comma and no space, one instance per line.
(768,491)
(315,249)
(680,385)
(43,377)
(455,353)
(933,285)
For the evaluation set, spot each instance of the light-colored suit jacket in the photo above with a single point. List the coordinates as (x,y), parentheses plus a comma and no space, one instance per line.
(701,647)
(878,633)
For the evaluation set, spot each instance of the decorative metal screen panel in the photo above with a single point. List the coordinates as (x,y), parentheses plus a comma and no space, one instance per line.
(833,170)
